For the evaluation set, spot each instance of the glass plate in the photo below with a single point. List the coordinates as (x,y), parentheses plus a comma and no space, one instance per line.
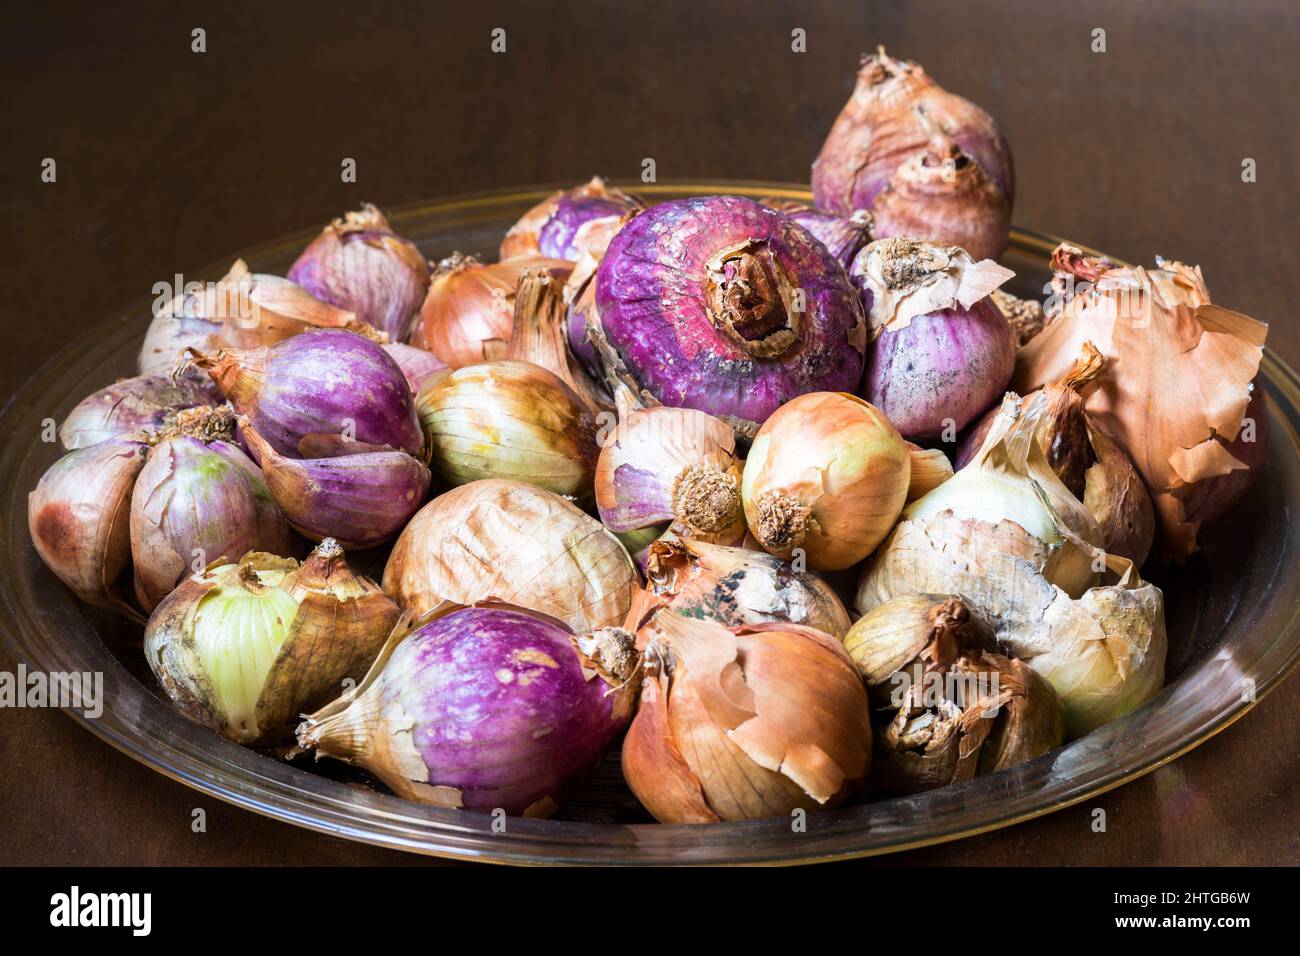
(1232,618)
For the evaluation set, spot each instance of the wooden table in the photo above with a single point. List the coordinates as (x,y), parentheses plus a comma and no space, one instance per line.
(167,159)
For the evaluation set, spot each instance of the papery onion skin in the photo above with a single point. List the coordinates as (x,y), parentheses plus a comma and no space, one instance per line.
(359,264)
(79,519)
(1163,339)
(842,236)
(130,406)
(199,501)
(828,474)
(316,387)
(993,712)
(511,420)
(468,312)
(746,723)
(697,299)
(935,366)
(362,499)
(879,129)
(416,364)
(567,223)
(675,465)
(514,542)
(737,586)
(1209,500)
(1088,461)
(483,708)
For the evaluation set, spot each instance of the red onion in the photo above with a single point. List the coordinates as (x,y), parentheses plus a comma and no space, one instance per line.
(943,352)
(842,236)
(884,124)
(722,304)
(361,499)
(358,263)
(484,708)
(568,223)
(130,406)
(197,500)
(416,364)
(315,391)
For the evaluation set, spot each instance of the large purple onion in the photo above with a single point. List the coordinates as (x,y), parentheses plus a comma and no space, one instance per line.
(943,352)
(359,264)
(196,501)
(130,406)
(723,304)
(484,708)
(320,390)
(568,223)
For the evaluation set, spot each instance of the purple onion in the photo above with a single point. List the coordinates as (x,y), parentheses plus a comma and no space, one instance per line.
(360,499)
(130,406)
(842,236)
(317,390)
(495,703)
(699,299)
(943,352)
(197,501)
(568,223)
(359,264)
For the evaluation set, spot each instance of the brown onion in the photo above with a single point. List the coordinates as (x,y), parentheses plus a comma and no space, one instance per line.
(467,315)
(827,474)
(880,128)
(513,542)
(745,723)
(941,193)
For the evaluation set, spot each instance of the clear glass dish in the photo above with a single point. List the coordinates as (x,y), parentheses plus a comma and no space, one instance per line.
(1232,617)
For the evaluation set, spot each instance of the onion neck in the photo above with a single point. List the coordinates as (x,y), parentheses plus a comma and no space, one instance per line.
(749,300)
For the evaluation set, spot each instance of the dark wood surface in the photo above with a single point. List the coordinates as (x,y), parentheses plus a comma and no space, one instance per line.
(167,159)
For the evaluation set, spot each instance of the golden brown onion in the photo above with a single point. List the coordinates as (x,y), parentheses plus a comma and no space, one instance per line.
(745,723)
(513,542)
(827,474)
(467,314)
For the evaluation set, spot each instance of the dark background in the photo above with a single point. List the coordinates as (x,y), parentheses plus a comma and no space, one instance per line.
(169,159)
